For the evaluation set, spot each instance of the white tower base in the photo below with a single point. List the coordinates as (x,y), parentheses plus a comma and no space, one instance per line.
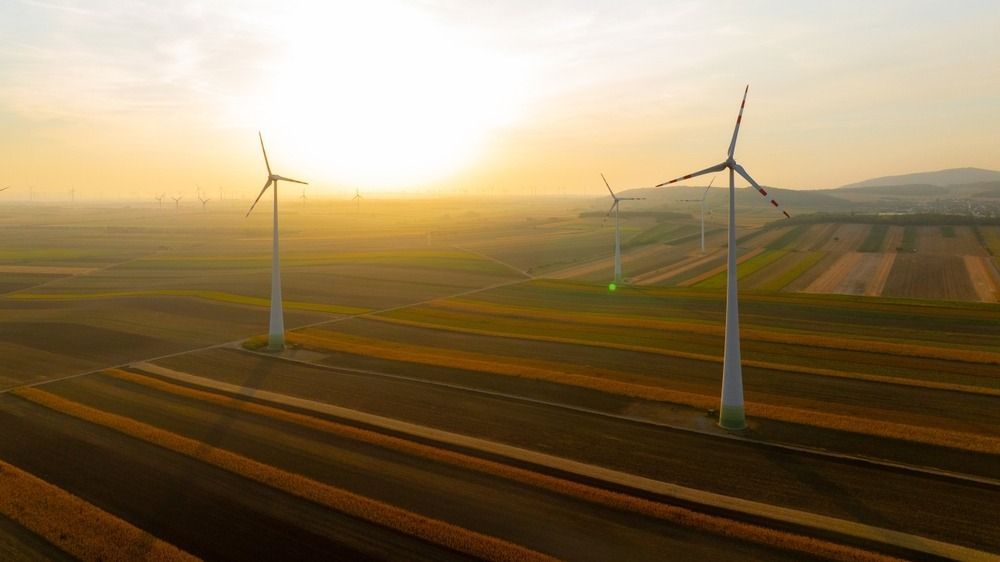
(731,412)
(276,330)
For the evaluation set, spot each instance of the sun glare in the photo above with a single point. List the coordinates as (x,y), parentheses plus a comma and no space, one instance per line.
(385,99)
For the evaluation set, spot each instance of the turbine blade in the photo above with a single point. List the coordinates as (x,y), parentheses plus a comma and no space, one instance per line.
(266,163)
(739,118)
(5,189)
(703,195)
(291,180)
(609,187)
(714,168)
(613,205)
(739,170)
(266,185)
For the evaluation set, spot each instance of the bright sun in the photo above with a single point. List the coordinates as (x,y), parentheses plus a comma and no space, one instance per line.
(382,96)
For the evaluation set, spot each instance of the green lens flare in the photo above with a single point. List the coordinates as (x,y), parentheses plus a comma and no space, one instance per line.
(612,287)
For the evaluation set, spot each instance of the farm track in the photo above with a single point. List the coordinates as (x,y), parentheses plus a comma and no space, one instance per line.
(869,494)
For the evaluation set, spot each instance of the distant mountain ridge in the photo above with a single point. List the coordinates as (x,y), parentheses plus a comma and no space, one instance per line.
(944,178)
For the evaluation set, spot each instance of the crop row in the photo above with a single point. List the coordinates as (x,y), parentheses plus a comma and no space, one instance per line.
(367,509)
(674,514)
(76,526)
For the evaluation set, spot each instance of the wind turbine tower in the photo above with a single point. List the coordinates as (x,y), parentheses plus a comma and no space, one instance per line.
(276,330)
(618,230)
(159,199)
(731,410)
(702,202)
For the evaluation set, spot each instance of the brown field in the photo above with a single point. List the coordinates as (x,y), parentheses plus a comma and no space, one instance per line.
(815,237)
(846,238)
(677,269)
(893,239)
(881,274)
(984,276)
(929,277)
(867,270)
(931,240)
(648,450)
(742,257)
(832,278)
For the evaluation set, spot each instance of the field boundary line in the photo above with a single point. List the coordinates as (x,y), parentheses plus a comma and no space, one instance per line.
(76,526)
(496,260)
(795,517)
(700,521)
(373,511)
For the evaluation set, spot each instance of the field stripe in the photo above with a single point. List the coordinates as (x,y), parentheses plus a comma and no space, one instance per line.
(838,342)
(983,280)
(833,276)
(675,514)
(786,368)
(697,279)
(76,526)
(218,296)
(373,511)
(881,275)
(503,366)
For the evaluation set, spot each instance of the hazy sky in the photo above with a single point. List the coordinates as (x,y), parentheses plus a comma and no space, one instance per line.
(143,97)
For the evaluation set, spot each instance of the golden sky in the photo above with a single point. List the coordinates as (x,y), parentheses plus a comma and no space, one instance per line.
(140,98)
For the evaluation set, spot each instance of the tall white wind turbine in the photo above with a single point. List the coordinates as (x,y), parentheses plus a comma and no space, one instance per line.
(276,330)
(618,228)
(731,410)
(357,199)
(702,201)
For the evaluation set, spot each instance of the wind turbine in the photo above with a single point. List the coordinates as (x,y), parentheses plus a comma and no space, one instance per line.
(731,411)
(303,196)
(177,202)
(72,196)
(618,231)
(276,330)
(357,199)
(203,202)
(702,201)
(159,199)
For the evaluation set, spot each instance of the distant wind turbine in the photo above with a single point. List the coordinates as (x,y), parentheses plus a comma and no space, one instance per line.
(276,330)
(177,202)
(159,199)
(618,229)
(204,201)
(731,411)
(357,199)
(303,196)
(702,202)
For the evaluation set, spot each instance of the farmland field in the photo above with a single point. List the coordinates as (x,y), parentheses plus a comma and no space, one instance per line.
(455,376)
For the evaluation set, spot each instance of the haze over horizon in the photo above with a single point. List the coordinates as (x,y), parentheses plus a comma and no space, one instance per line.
(442,95)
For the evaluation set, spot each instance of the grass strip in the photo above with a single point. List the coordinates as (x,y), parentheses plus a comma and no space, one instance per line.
(752,265)
(79,528)
(317,339)
(876,237)
(805,263)
(674,514)
(206,295)
(380,513)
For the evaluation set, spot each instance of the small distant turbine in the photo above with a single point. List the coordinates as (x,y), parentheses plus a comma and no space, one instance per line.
(731,411)
(702,202)
(357,199)
(72,196)
(276,330)
(303,196)
(159,199)
(618,228)
(204,201)
(177,202)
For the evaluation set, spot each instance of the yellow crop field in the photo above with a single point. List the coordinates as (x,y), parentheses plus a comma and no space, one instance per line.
(75,526)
